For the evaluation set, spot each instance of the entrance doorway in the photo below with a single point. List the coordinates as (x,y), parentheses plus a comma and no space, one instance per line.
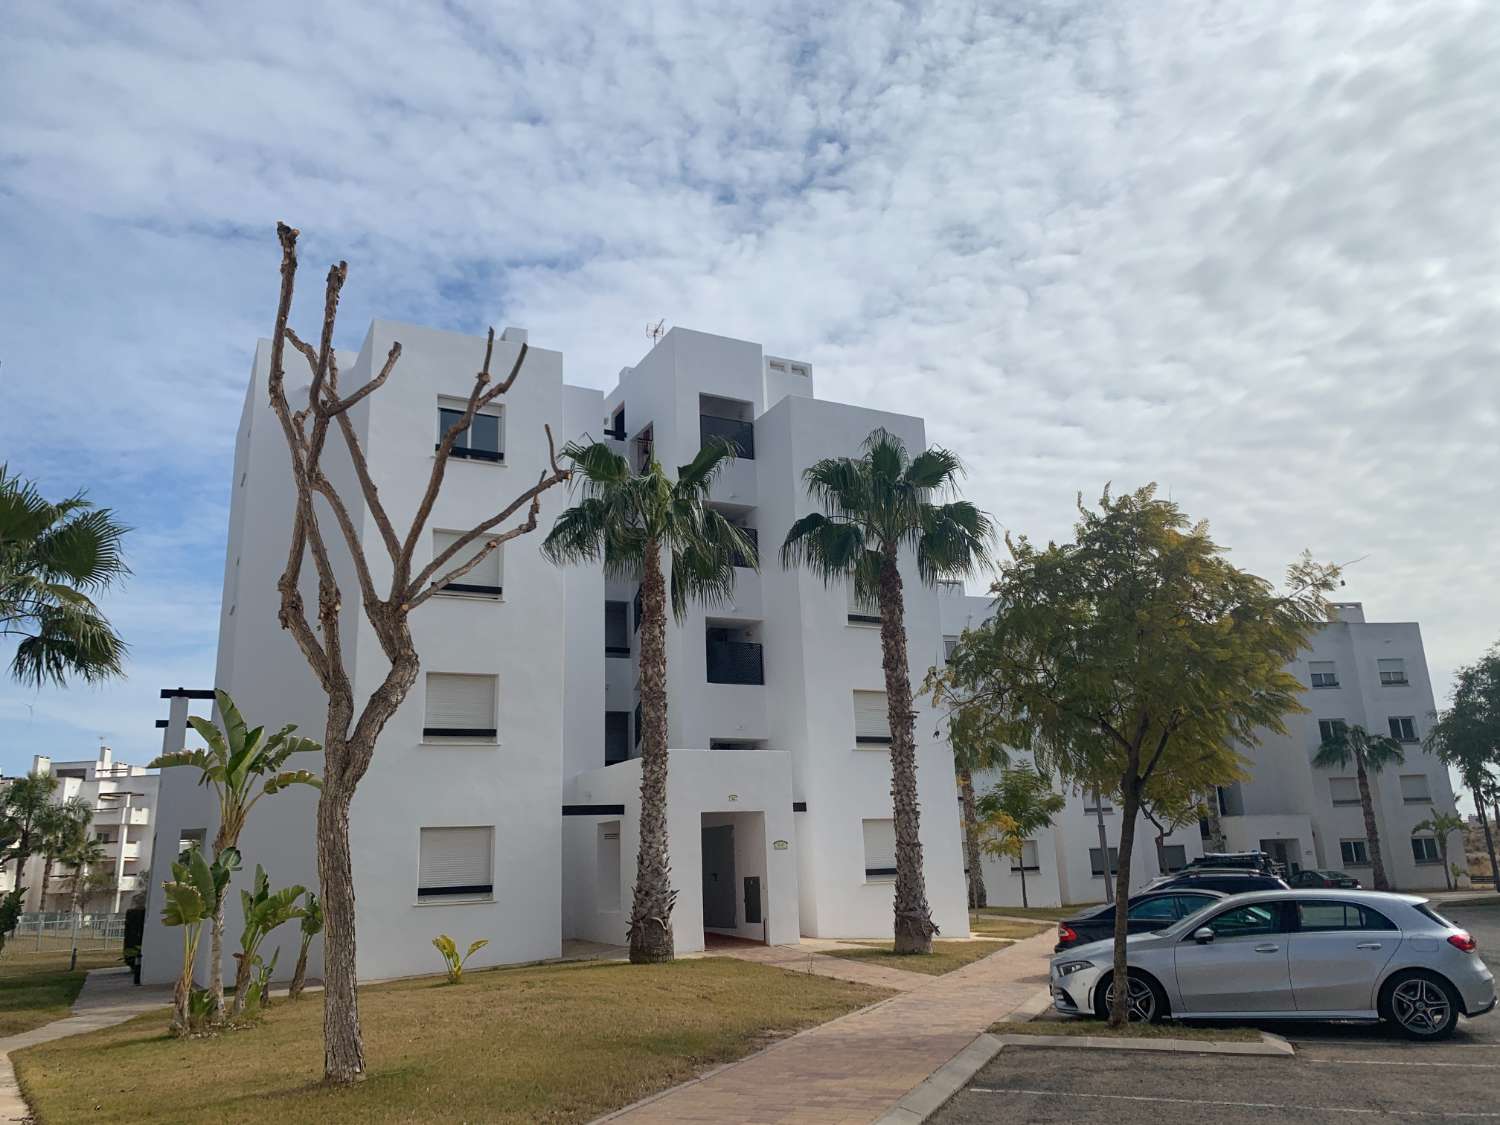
(719,899)
(1288,853)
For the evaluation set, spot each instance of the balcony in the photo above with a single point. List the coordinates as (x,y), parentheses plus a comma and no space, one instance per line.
(735,662)
(739,434)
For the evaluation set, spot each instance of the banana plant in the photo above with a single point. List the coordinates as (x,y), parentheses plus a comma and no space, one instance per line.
(453,962)
(235,760)
(263,910)
(190,899)
(258,995)
(312,926)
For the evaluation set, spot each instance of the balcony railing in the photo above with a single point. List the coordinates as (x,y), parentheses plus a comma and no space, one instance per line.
(735,662)
(739,434)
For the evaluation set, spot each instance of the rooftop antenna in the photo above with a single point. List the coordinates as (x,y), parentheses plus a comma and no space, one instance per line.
(656,331)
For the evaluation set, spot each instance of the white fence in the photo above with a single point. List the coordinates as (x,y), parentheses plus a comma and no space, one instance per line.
(52,930)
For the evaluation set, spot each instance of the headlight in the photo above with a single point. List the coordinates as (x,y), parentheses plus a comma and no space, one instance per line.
(1069,967)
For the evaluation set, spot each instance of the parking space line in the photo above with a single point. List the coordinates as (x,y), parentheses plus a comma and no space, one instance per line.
(1356,1110)
(1392,1062)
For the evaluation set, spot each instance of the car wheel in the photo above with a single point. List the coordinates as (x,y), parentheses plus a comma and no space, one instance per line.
(1420,1006)
(1147,1002)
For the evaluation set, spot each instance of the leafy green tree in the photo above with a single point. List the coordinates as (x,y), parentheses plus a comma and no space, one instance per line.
(1026,799)
(874,507)
(635,523)
(263,910)
(55,558)
(1367,753)
(241,765)
(312,926)
(82,854)
(1442,825)
(1134,659)
(25,806)
(194,896)
(974,748)
(1466,737)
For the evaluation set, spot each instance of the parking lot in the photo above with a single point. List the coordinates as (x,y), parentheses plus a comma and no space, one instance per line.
(1340,1072)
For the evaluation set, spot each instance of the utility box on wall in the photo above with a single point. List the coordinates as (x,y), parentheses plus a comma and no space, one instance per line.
(752,899)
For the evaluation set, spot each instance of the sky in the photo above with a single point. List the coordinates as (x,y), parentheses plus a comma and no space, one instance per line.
(1243,249)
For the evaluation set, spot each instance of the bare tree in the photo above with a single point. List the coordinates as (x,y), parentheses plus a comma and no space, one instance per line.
(350,732)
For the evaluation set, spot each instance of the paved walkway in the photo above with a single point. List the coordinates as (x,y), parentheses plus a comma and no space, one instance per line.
(850,1071)
(801,959)
(107,998)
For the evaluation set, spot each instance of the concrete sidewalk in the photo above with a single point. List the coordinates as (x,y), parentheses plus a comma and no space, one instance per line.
(850,1071)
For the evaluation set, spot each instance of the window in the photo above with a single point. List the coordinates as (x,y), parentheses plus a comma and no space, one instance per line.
(190,838)
(1325,673)
(1162,908)
(456,864)
(616,629)
(1326,916)
(1096,862)
(484,440)
(1392,671)
(1332,730)
(1191,904)
(616,737)
(459,706)
(1403,728)
(1171,857)
(1354,853)
(1343,790)
(880,850)
(483,580)
(1415,790)
(1251,920)
(862,611)
(949,644)
(616,428)
(1029,858)
(1424,849)
(872,721)
(1091,803)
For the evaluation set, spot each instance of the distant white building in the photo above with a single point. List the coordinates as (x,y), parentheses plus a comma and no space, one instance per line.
(122,798)
(1360,673)
(503,798)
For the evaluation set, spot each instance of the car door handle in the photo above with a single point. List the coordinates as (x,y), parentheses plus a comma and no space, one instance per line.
(1268,948)
(1368,945)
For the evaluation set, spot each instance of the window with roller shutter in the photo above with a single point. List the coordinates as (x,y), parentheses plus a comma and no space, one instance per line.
(880,850)
(459,706)
(872,719)
(484,580)
(456,864)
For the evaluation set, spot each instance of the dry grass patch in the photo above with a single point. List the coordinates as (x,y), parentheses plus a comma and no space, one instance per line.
(1129,1031)
(37,988)
(981,925)
(1040,913)
(542,1044)
(944,958)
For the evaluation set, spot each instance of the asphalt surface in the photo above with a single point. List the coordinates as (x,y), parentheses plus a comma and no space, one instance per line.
(1341,1073)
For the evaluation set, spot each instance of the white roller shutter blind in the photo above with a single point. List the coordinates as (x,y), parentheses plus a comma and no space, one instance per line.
(458,702)
(865,612)
(487,573)
(1414,789)
(880,849)
(1343,790)
(872,723)
(456,862)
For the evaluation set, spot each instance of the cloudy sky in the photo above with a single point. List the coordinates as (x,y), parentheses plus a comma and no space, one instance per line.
(1245,249)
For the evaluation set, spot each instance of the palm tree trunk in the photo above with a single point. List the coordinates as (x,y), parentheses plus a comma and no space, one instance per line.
(978,898)
(1442,844)
(343,1045)
(1489,845)
(1372,831)
(913,918)
(46,879)
(651,908)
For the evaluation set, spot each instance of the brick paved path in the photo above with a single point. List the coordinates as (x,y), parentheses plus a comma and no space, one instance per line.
(850,1071)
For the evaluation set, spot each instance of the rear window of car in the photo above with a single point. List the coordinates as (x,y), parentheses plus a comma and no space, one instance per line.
(1324,915)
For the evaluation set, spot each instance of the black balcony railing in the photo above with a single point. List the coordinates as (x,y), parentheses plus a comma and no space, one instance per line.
(750,534)
(735,662)
(739,434)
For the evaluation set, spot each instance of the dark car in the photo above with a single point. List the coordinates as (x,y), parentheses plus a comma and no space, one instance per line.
(1149,911)
(1334,879)
(1227,881)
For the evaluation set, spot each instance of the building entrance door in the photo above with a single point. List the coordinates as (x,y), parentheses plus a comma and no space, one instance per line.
(1288,853)
(719,905)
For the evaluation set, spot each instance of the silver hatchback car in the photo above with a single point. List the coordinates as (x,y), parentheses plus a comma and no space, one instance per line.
(1297,955)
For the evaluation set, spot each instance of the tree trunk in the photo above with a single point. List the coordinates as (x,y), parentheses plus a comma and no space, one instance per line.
(1215,825)
(978,898)
(1372,831)
(343,1045)
(1489,845)
(913,918)
(183,989)
(243,965)
(1025,902)
(299,978)
(216,958)
(1129,809)
(651,908)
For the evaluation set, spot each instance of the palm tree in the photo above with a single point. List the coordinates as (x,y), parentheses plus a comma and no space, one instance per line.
(60,827)
(633,522)
(82,853)
(873,507)
(233,763)
(53,559)
(1368,753)
(1441,825)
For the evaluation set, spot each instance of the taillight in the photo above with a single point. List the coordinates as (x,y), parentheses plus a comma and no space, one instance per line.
(1066,933)
(1462,942)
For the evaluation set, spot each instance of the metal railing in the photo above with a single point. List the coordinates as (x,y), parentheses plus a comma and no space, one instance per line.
(735,662)
(739,434)
(51,931)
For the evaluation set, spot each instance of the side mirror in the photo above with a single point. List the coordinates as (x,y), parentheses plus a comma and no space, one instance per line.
(1203,935)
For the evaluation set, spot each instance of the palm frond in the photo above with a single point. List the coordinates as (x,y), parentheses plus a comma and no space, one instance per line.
(935,469)
(697,476)
(953,540)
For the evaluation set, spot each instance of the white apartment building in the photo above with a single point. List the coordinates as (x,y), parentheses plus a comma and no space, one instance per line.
(1356,672)
(503,799)
(122,798)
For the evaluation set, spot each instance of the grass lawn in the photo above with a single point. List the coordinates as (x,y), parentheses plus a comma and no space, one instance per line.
(542,1044)
(944,958)
(982,925)
(36,988)
(1041,913)
(1129,1031)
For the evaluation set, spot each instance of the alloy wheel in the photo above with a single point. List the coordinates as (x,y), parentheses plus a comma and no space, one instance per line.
(1140,1006)
(1420,1006)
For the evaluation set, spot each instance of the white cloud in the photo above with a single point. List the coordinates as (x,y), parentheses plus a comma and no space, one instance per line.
(1244,249)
